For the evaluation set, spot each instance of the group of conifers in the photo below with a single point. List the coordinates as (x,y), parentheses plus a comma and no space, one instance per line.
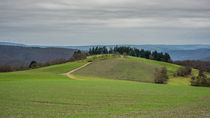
(159,56)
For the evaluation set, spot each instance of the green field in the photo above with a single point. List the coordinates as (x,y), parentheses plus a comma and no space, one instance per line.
(44,92)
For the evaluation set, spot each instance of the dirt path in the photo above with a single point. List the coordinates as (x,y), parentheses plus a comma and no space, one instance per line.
(69,74)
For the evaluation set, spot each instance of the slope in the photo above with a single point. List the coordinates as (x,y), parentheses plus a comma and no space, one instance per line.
(45,73)
(125,68)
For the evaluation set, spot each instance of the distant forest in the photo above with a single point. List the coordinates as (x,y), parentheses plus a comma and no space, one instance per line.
(124,50)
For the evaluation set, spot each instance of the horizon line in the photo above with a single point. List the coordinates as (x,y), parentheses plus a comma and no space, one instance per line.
(95,44)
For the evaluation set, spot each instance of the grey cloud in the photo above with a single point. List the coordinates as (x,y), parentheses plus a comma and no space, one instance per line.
(73,17)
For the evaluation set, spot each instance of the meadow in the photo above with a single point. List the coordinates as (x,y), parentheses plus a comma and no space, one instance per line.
(45,92)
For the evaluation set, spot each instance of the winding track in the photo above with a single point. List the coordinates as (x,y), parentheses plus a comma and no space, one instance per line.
(69,74)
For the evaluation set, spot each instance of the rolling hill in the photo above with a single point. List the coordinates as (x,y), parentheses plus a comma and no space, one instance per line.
(128,68)
(206,59)
(46,92)
(197,54)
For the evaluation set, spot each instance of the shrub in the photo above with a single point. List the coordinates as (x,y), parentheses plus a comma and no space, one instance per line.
(33,64)
(184,71)
(6,68)
(161,76)
(200,80)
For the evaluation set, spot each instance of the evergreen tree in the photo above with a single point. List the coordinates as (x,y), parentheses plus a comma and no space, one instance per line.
(131,51)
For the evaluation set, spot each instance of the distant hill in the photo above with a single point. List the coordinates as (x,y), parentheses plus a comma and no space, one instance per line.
(21,45)
(11,44)
(148,47)
(16,55)
(162,48)
(177,52)
(198,54)
(206,59)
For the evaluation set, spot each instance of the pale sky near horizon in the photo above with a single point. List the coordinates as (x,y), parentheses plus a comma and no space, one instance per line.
(102,22)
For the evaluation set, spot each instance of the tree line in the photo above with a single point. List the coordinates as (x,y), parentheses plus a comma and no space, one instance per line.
(124,50)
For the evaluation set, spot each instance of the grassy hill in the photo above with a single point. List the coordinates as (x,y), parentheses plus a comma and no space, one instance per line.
(125,68)
(44,92)
(119,68)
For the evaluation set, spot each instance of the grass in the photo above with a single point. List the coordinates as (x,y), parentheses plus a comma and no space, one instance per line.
(172,68)
(120,69)
(61,68)
(45,93)
(51,72)
(100,98)
(179,81)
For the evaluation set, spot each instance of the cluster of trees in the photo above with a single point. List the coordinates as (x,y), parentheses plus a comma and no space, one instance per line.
(131,52)
(200,80)
(99,50)
(201,65)
(184,71)
(78,55)
(161,76)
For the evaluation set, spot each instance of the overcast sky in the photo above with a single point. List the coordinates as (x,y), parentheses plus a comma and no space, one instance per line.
(97,22)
